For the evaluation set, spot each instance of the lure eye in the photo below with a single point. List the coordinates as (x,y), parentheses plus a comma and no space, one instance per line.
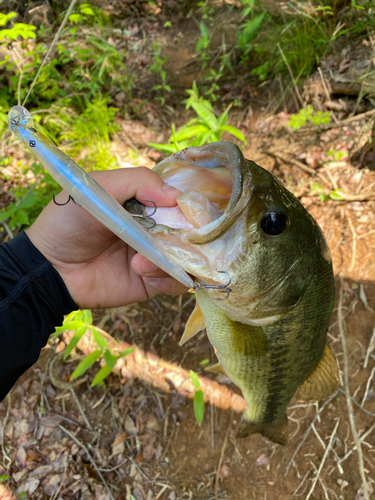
(274,223)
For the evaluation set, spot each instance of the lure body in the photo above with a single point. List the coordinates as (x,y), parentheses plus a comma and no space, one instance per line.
(90,195)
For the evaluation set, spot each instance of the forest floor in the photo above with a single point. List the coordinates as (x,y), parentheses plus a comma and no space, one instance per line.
(137,437)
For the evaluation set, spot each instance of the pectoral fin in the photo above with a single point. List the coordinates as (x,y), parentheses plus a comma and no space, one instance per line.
(216,368)
(323,381)
(278,433)
(194,325)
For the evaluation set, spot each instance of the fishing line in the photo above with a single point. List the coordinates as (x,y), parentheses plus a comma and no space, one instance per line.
(62,26)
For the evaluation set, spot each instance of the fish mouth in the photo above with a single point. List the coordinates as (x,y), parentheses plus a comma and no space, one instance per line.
(215,187)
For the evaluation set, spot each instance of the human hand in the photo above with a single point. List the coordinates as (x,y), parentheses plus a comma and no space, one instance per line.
(98,268)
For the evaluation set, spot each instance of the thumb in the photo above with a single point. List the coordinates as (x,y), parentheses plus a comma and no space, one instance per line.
(140,183)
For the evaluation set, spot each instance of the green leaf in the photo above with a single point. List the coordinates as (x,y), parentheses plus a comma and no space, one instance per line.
(222,120)
(336,195)
(199,406)
(75,18)
(29,201)
(110,359)
(194,379)
(204,30)
(23,217)
(75,339)
(3,478)
(234,131)
(70,325)
(188,132)
(166,148)
(86,363)
(87,316)
(101,375)
(206,115)
(99,339)
(127,351)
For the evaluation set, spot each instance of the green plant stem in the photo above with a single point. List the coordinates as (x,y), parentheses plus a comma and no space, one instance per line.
(54,41)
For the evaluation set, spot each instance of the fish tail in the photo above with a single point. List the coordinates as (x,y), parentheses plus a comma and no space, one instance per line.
(278,433)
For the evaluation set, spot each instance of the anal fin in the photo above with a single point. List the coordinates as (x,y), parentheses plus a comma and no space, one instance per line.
(277,433)
(323,381)
(194,325)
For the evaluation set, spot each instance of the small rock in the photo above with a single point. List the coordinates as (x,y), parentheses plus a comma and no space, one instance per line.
(262,460)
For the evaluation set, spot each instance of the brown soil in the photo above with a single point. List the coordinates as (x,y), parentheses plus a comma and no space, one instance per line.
(145,441)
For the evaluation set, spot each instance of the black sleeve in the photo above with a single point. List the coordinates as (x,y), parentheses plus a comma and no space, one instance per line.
(33,301)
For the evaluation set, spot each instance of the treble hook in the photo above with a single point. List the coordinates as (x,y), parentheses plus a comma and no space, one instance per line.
(148,217)
(66,202)
(220,288)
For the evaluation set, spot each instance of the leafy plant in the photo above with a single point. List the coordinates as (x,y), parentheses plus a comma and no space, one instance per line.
(89,131)
(248,31)
(203,45)
(81,323)
(201,130)
(198,398)
(157,68)
(335,195)
(304,115)
(19,29)
(30,195)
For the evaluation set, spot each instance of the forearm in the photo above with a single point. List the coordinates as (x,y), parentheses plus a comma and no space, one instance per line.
(33,301)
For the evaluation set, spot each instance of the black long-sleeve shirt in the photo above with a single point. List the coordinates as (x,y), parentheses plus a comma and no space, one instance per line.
(33,301)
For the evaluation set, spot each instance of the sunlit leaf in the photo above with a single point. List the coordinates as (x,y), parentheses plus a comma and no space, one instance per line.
(199,406)
(101,375)
(194,379)
(234,131)
(127,351)
(99,339)
(75,339)
(86,364)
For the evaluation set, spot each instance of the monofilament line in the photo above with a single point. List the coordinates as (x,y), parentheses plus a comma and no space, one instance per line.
(62,26)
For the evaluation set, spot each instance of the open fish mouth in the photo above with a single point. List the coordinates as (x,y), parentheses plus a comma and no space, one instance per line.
(213,180)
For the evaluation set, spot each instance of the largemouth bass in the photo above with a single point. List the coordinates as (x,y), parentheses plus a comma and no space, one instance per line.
(269,334)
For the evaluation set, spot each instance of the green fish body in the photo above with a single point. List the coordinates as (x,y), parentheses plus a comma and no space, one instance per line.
(269,334)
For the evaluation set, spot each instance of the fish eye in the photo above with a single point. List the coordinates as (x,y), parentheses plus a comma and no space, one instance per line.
(274,223)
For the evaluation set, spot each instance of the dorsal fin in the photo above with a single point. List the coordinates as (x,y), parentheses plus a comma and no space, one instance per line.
(194,325)
(323,381)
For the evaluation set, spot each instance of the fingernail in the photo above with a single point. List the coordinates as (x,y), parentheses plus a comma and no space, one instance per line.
(152,281)
(148,267)
(171,190)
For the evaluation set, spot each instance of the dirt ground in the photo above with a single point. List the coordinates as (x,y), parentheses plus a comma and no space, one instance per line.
(137,438)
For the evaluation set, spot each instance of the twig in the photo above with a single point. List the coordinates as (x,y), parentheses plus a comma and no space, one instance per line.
(296,163)
(308,431)
(221,458)
(60,486)
(66,386)
(68,12)
(368,385)
(358,404)
(291,74)
(168,445)
(369,349)
(72,436)
(347,394)
(323,461)
(354,243)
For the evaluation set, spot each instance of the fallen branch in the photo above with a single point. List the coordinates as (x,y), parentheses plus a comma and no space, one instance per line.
(166,376)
